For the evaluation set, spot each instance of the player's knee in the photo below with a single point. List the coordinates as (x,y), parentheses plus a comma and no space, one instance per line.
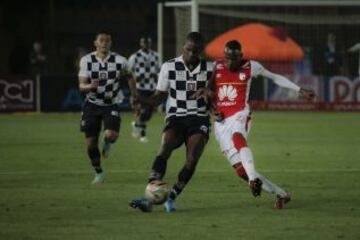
(239,141)
(111,136)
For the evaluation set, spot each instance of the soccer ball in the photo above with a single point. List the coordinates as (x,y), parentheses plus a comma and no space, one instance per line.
(157,192)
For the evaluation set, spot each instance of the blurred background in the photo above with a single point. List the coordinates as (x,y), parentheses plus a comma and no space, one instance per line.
(314,43)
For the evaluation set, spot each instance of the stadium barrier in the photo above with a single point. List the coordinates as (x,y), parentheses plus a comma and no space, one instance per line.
(58,93)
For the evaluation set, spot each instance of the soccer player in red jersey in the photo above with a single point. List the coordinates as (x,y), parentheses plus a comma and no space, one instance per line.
(228,92)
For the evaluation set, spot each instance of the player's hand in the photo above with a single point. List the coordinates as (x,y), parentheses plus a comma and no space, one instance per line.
(94,83)
(201,93)
(219,116)
(307,94)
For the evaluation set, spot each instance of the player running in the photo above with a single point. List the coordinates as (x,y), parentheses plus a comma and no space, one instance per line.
(187,119)
(145,65)
(228,91)
(99,76)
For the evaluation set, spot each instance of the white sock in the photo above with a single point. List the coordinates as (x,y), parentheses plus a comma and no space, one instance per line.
(271,187)
(247,161)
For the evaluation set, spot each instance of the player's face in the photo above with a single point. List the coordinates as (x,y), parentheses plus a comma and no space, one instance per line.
(103,43)
(145,43)
(233,58)
(191,52)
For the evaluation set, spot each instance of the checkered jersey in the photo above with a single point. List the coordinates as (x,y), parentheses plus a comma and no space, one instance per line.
(108,72)
(181,84)
(145,66)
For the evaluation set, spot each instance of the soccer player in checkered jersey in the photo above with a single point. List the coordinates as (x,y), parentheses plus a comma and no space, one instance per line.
(145,66)
(187,119)
(228,90)
(99,76)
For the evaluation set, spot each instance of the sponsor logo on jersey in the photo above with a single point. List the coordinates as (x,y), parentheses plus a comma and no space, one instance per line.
(227,91)
(218,75)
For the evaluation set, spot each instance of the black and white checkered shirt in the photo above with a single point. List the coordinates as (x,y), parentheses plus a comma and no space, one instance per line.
(145,66)
(108,72)
(181,84)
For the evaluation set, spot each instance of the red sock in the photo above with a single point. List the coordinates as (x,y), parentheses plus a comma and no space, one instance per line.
(240,171)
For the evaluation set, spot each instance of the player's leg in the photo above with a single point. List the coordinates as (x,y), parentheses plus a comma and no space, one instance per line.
(172,138)
(144,114)
(195,145)
(246,158)
(196,139)
(91,126)
(144,117)
(112,121)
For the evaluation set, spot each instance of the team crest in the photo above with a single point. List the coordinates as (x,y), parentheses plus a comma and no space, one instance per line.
(191,86)
(103,75)
(242,76)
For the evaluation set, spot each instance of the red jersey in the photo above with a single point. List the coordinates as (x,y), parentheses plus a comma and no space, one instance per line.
(232,88)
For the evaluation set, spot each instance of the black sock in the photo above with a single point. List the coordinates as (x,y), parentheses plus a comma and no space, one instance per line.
(158,169)
(94,155)
(183,178)
(142,127)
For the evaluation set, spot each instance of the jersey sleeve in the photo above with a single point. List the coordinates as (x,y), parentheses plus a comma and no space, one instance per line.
(83,72)
(258,70)
(163,79)
(131,62)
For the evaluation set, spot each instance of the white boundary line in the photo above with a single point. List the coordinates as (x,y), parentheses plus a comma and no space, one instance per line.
(353,170)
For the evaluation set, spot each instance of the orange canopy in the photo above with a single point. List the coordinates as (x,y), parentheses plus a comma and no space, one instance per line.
(259,42)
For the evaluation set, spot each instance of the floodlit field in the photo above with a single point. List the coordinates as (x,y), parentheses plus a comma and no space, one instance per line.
(45,176)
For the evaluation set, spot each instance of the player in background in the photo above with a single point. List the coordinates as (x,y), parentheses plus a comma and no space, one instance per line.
(99,76)
(187,119)
(145,66)
(228,91)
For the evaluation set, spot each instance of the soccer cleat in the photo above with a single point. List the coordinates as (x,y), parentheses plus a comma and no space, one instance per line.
(170,205)
(142,203)
(144,140)
(106,150)
(135,130)
(281,201)
(99,178)
(255,187)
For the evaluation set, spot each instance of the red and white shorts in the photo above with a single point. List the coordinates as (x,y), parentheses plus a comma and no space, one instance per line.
(239,122)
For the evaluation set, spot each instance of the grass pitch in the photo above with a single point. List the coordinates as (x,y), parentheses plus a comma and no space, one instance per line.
(45,176)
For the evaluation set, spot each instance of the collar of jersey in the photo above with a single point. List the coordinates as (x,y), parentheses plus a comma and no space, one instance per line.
(196,70)
(105,59)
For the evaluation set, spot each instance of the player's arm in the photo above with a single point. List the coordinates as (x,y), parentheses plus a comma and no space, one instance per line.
(84,84)
(156,99)
(282,81)
(132,86)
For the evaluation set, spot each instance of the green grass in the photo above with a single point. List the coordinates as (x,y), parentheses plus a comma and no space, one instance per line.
(45,175)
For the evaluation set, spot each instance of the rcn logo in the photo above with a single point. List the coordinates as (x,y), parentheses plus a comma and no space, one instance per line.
(227,91)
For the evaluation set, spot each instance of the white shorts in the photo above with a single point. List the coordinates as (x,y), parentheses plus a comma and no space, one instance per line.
(239,122)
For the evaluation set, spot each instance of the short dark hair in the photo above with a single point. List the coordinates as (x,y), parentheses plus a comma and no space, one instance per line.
(195,37)
(233,45)
(102,32)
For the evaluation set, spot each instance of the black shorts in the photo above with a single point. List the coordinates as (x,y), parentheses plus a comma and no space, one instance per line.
(187,126)
(145,94)
(93,115)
